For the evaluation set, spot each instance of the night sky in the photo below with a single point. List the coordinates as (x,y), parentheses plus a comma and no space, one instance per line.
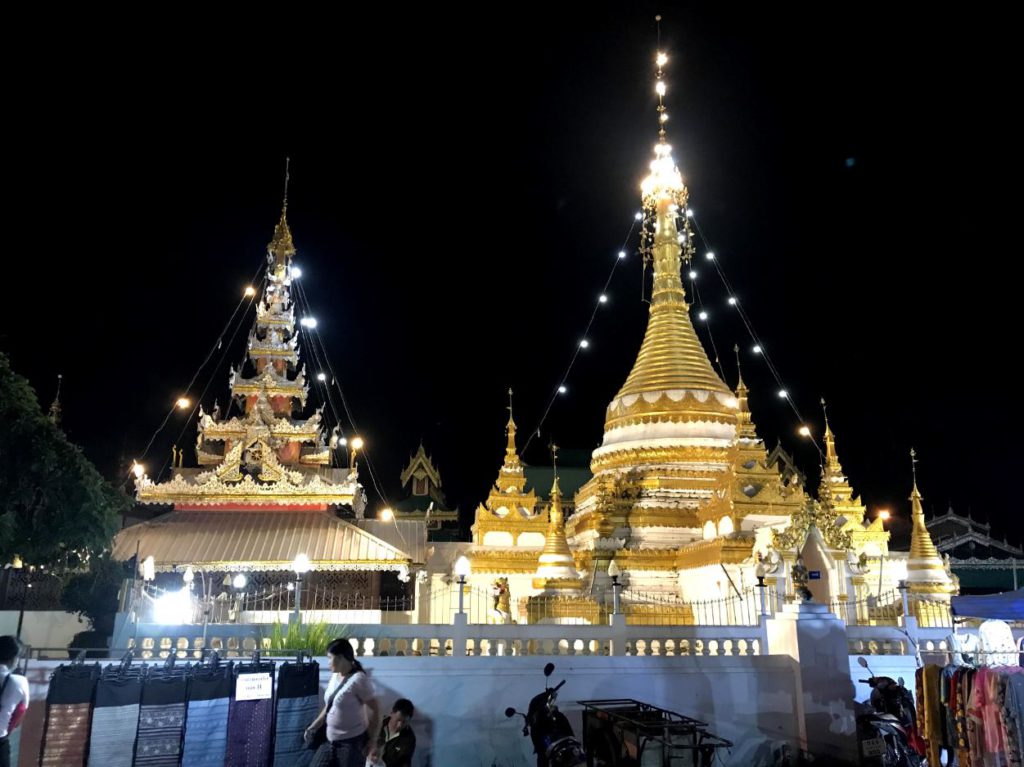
(461,184)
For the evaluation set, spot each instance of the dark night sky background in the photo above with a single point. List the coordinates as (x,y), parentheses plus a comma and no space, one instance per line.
(460,185)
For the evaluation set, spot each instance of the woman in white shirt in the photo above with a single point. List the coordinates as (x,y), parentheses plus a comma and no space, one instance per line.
(349,695)
(13,695)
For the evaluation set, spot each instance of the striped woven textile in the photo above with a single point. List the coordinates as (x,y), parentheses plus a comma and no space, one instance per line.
(206,720)
(68,711)
(115,720)
(298,703)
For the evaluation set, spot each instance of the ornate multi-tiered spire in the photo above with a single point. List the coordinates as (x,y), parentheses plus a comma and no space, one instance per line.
(835,489)
(266,452)
(757,490)
(510,510)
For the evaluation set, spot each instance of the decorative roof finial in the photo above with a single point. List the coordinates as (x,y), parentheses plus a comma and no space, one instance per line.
(281,247)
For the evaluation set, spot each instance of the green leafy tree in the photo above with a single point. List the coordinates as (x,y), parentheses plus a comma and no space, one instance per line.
(53,501)
(92,594)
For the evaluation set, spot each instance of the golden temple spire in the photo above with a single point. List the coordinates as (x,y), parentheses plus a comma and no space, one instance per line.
(745,428)
(832,466)
(281,248)
(921,544)
(556,568)
(671,356)
(511,454)
(926,573)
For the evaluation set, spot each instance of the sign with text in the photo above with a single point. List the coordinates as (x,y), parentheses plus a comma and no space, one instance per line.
(254,687)
(814,575)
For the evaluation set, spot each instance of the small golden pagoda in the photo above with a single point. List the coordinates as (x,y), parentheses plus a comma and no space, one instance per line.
(509,519)
(927,576)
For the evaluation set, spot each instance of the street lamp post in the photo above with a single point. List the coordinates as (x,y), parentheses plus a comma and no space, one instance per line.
(462,570)
(205,604)
(761,586)
(301,565)
(614,572)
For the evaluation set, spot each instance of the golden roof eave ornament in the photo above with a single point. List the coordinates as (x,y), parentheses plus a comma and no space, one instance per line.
(822,516)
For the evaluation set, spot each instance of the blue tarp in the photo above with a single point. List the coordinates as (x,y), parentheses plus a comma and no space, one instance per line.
(1008,606)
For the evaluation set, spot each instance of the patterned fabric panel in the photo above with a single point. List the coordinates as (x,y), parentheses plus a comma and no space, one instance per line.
(160,731)
(250,724)
(67,733)
(206,733)
(113,735)
(294,715)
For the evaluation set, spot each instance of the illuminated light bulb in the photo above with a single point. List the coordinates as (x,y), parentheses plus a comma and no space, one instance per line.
(805,431)
(660,88)
(703,315)
(250,291)
(562,389)
(622,254)
(783,393)
(602,298)
(321,376)
(138,469)
(638,215)
(757,349)
(387,514)
(732,300)
(689,213)
(308,322)
(584,343)
(295,272)
(357,443)
(183,403)
(709,256)
(693,275)
(662,59)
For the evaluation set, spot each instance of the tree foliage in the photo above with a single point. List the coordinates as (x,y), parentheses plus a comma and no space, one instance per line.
(52,499)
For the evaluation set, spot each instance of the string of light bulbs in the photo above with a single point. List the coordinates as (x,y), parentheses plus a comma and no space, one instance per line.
(248,294)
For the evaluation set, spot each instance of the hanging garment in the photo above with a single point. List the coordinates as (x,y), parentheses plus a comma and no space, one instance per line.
(298,703)
(206,720)
(161,720)
(115,719)
(998,647)
(929,709)
(1013,719)
(68,709)
(250,726)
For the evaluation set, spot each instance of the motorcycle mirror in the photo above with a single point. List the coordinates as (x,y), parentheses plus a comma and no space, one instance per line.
(862,662)
(510,712)
(549,669)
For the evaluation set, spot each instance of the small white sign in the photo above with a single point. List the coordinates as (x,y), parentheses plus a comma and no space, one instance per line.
(254,687)
(873,747)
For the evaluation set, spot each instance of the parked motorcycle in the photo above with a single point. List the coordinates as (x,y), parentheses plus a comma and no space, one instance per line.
(887,735)
(554,742)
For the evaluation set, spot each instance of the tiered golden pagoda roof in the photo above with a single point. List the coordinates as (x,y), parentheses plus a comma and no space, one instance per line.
(757,490)
(509,507)
(834,486)
(263,457)
(671,427)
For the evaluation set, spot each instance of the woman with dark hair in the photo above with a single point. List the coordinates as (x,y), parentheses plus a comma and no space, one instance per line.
(348,695)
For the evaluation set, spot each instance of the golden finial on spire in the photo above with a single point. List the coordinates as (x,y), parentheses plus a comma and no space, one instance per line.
(281,247)
(913,467)
(665,183)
